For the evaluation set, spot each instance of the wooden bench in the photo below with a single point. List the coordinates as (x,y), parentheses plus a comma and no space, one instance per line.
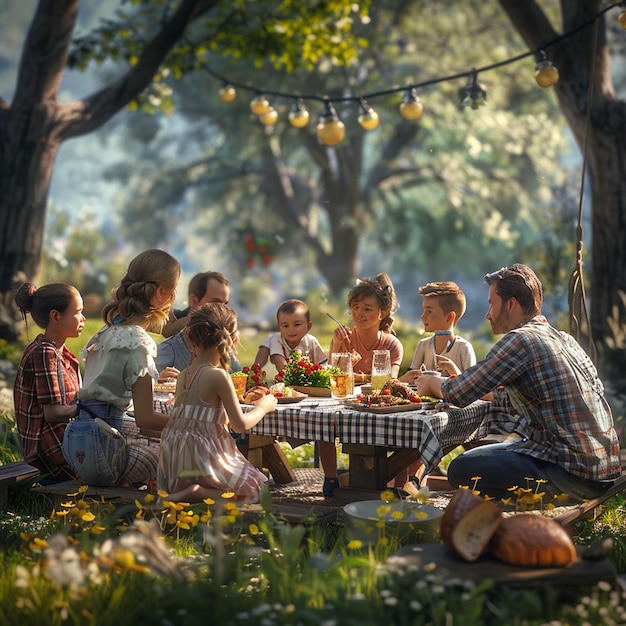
(12,473)
(588,509)
(58,492)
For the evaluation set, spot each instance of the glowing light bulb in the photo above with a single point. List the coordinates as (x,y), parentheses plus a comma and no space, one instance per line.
(260,105)
(369,119)
(269,118)
(330,129)
(227,93)
(411,107)
(299,116)
(546,74)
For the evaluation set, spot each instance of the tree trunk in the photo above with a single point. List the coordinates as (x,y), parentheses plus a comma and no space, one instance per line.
(34,125)
(602,132)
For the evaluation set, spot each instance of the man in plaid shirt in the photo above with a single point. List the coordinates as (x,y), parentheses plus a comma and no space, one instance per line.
(570,446)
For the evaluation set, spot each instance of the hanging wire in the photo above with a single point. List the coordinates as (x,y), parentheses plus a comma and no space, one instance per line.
(385,92)
(579,317)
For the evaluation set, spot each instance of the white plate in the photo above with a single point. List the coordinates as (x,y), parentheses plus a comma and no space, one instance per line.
(291,399)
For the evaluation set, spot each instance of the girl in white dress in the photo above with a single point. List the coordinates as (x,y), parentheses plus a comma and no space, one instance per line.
(199,457)
(114,438)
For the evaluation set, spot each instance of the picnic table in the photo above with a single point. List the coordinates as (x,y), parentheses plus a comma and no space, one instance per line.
(379,445)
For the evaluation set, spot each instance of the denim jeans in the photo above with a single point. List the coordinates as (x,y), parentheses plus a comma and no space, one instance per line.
(500,468)
(96,453)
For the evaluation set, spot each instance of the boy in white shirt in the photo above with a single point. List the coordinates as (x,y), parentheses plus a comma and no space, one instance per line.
(443,306)
(293,323)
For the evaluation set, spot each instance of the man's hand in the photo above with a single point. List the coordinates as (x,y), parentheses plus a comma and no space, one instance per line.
(429,385)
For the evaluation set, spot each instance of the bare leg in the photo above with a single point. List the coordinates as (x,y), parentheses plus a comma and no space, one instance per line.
(414,470)
(193,494)
(328,458)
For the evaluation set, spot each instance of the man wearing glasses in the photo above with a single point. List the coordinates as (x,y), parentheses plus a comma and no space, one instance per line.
(570,446)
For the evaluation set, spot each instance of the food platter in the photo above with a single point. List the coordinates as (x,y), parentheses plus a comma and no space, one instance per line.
(396,408)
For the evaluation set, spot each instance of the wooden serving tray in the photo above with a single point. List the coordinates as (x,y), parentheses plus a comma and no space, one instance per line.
(396,408)
(580,572)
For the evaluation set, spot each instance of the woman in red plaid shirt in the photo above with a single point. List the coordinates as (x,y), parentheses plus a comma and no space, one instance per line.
(48,376)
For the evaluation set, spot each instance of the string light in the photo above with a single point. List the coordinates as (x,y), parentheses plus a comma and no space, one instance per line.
(331,130)
(474,94)
(546,74)
(369,119)
(260,105)
(270,117)
(411,107)
(299,114)
(227,93)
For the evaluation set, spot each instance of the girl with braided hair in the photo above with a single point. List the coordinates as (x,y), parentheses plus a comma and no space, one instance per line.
(112,441)
(199,457)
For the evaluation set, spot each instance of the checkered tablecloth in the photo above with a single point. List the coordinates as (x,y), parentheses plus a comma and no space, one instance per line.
(427,432)
(310,421)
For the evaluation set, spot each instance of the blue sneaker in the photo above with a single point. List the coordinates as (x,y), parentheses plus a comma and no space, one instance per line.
(330,484)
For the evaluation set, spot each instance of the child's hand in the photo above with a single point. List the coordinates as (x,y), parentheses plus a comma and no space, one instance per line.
(447,366)
(168,373)
(267,403)
(429,385)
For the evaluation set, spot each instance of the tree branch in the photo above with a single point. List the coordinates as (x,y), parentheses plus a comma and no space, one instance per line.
(530,21)
(87,115)
(45,52)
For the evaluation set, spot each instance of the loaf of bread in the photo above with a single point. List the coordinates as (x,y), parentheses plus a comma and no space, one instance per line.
(468,523)
(255,393)
(529,539)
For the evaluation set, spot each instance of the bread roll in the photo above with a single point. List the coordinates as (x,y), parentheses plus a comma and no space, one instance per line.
(529,539)
(468,523)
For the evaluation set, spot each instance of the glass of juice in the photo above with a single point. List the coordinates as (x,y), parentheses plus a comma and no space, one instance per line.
(381,369)
(342,383)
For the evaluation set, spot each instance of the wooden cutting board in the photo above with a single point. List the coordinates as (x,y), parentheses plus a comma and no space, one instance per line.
(580,572)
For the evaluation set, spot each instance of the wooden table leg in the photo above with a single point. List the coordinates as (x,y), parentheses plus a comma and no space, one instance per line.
(264,451)
(368,466)
(373,467)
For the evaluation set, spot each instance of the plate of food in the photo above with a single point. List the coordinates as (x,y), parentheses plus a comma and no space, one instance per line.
(395,397)
(290,399)
(165,386)
(286,394)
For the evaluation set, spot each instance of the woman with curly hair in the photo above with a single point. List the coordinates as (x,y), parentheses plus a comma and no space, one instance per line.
(372,303)
(107,444)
